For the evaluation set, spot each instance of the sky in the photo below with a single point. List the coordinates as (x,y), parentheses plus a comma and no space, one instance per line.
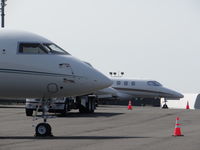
(146,39)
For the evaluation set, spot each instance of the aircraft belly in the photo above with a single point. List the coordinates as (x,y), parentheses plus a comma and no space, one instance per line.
(142,94)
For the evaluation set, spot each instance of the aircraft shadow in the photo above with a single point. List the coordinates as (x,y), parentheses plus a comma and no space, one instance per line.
(93,115)
(72,137)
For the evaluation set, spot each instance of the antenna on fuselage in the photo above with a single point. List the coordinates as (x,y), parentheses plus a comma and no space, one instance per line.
(2,9)
(116,74)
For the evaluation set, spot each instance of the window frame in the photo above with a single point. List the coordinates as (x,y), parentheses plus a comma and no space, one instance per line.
(125,83)
(51,51)
(19,50)
(48,52)
(118,82)
(132,83)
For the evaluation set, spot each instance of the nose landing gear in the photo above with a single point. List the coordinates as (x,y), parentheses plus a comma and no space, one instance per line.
(43,129)
(165,104)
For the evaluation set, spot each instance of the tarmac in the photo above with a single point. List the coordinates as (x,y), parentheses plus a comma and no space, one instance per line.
(110,127)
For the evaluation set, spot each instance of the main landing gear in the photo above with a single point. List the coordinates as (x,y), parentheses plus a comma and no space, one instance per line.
(43,129)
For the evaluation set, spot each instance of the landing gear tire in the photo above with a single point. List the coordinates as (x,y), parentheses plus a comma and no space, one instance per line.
(29,112)
(165,106)
(90,107)
(43,130)
(65,110)
(82,109)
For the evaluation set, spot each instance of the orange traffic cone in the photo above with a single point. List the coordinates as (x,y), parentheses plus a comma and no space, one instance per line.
(187,106)
(177,129)
(129,105)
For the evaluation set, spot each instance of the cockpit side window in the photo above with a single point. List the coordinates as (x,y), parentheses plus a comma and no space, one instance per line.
(32,48)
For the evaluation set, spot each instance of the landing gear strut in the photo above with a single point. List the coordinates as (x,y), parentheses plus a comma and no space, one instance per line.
(43,129)
(165,104)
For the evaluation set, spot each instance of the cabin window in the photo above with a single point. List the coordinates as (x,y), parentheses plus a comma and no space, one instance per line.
(32,48)
(54,49)
(125,83)
(133,83)
(118,82)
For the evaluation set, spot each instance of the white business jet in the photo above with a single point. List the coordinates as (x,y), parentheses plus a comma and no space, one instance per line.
(128,88)
(34,67)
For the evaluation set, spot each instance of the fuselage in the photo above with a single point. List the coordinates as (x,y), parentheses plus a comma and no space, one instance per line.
(34,67)
(130,88)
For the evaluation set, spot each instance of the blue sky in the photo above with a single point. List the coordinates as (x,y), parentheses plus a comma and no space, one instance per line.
(147,39)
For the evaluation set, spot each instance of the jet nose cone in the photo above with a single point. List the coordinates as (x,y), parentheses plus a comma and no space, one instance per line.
(101,81)
(176,95)
(173,94)
(90,80)
(179,95)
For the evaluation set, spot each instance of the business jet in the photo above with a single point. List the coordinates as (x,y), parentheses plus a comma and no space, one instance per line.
(32,66)
(127,89)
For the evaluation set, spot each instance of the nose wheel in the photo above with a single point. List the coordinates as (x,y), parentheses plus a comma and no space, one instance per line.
(43,129)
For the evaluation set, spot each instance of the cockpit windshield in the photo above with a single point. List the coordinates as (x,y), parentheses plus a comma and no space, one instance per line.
(88,64)
(38,48)
(54,49)
(154,83)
